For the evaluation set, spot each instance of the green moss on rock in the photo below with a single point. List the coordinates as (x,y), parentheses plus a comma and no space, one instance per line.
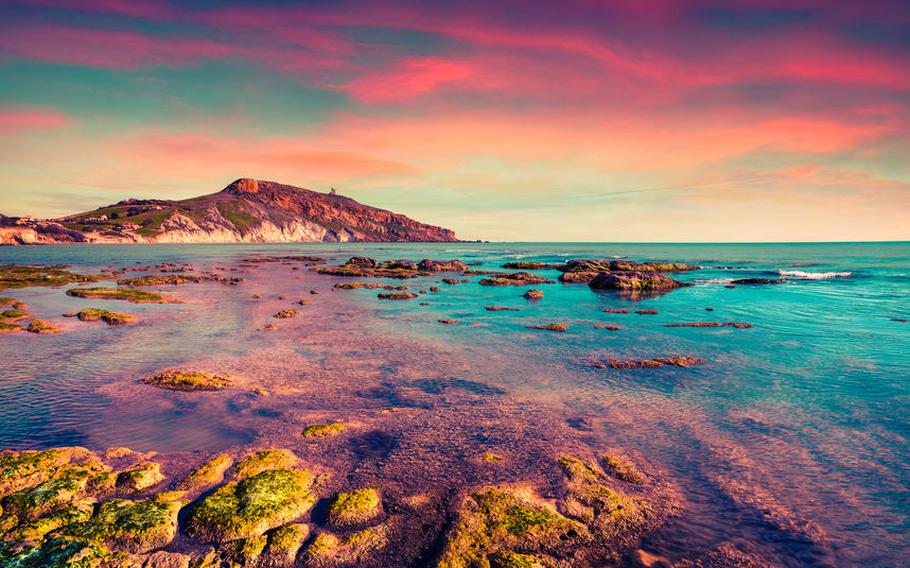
(127,294)
(10,327)
(495,521)
(13,315)
(108,317)
(250,507)
(354,507)
(178,380)
(264,460)
(22,276)
(39,326)
(324,430)
(622,468)
(509,559)
(327,549)
(284,543)
(140,477)
(209,473)
(27,468)
(129,526)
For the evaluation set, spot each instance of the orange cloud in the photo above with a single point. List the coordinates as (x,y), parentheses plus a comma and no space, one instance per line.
(17,120)
(412,77)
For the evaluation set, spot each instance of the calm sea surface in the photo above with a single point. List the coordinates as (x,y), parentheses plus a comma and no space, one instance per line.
(814,399)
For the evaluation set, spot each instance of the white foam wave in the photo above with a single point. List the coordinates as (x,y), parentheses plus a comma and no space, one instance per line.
(803,275)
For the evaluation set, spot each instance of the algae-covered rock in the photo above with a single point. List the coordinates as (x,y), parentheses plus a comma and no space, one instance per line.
(622,468)
(245,551)
(354,507)
(612,515)
(129,526)
(33,532)
(9,316)
(327,549)
(250,507)
(509,559)
(209,473)
(29,504)
(264,460)
(21,276)
(550,327)
(396,296)
(6,327)
(496,521)
(20,469)
(127,294)
(283,545)
(108,317)
(42,327)
(324,430)
(188,381)
(66,552)
(141,477)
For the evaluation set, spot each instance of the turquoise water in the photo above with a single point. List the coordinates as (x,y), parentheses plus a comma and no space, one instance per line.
(814,397)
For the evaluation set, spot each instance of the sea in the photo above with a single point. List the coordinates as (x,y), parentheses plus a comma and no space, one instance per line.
(806,412)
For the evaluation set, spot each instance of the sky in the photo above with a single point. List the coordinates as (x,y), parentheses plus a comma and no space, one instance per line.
(578,120)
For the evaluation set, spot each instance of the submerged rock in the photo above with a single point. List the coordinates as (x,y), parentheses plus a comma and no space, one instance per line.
(500,309)
(22,276)
(324,430)
(533,295)
(531,265)
(609,326)
(514,279)
(757,281)
(178,380)
(646,312)
(397,296)
(710,324)
(250,507)
(549,327)
(286,314)
(657,362)
(502,520)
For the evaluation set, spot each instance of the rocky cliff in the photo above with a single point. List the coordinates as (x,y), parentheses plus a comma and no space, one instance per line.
(247,210)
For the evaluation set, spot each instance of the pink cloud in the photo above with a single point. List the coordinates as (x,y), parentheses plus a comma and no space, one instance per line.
(408,79)
(17,120)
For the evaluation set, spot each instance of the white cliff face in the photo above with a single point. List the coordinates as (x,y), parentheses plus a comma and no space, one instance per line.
(182,229)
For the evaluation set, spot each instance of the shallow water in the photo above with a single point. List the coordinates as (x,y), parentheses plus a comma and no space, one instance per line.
(810,404)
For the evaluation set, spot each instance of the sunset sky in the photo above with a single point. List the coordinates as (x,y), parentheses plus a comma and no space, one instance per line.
(635,120)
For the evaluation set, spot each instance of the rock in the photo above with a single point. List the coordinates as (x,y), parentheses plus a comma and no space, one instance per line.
(287,314)
(139,478)
(208,474)
(129,526)
(108,317)
(726,556)
(531,265)
(327,549)
(448,321)
(39,326)
(264,460)
(283,545)
(163,559)
(9,316)
(550,327)
(646,312)
(356,285)
(639,281)
(429,265)
(128,294)
(354,507)
(434,288)
(757,281)
(514,279)
(252,506)
(533,295)
(615,311)
(397,296)
(22,276)
(657,362)
(710,324)
(502,519)
(643,559)
(609,326)
(324,430)
(622,468)
(363,261)
(501,308)
(188,381)
(900,320)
